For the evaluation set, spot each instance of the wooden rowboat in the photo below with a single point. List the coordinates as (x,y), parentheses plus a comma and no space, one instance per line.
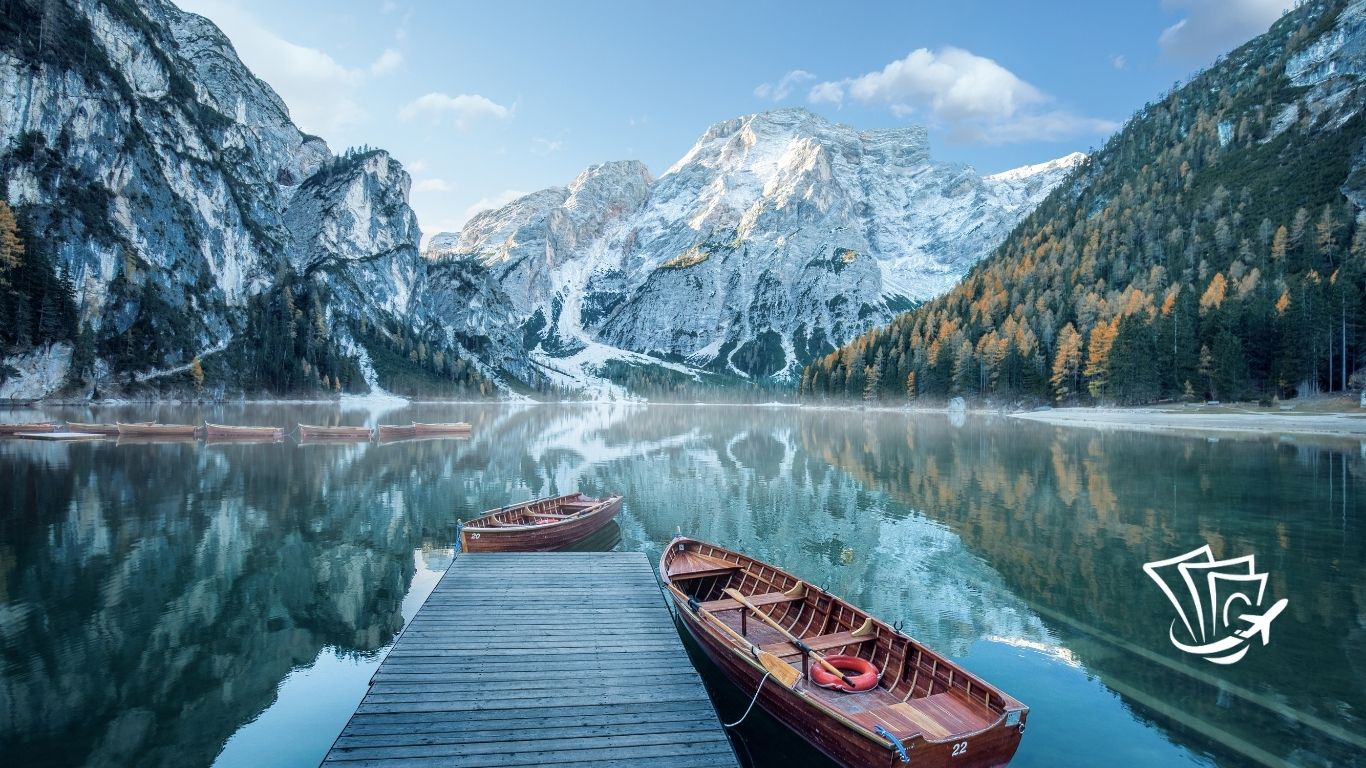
(108,430)
(539,525)
(397,431)
(920,702)
(452,428)
(156,430)
(29,427)
(311,432)
(225,432)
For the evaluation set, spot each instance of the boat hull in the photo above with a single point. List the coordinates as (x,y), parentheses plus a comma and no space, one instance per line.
(223,432)
(29,427)
(109,430)
(309,432)
(942,713)
(457,428)
(844,746)
(396,432)
(156,430)
(540,538)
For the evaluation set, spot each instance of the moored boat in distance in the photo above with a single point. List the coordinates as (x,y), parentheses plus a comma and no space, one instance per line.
(539,525)
(156,430)
(227,432)
(314,432)
(753,619)
(397,431)
(108,430)
(29,427)
(452,428)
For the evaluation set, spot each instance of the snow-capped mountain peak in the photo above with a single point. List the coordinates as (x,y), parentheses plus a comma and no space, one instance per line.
(774,237)
(1064,163)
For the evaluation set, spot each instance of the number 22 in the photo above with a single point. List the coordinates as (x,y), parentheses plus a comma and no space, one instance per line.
(961,748)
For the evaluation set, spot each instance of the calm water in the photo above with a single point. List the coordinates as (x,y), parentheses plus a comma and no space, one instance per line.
(196,605)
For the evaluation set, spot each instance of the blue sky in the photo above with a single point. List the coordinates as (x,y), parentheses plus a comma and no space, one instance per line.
(485,101)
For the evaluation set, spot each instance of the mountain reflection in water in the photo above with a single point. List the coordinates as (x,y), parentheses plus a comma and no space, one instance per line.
(161,601)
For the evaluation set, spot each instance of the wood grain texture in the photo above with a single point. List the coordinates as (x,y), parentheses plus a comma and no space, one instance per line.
(521,659)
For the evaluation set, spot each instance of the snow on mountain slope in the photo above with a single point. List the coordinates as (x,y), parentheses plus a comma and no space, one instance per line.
(775,237)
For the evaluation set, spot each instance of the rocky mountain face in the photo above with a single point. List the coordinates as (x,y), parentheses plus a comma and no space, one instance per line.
(1213,249)
(775,237)
(171,186)
(193,220)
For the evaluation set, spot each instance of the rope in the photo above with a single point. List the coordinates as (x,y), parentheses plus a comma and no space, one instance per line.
(748,709)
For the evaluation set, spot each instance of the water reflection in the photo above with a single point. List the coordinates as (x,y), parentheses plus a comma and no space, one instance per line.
(157,598)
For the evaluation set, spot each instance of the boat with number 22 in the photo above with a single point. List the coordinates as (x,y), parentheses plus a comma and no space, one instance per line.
(854,687)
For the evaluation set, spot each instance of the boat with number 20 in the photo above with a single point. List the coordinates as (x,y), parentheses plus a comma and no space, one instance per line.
(538,525)
(854,687)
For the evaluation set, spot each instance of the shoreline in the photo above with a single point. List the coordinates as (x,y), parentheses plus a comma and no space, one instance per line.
(1340,425)
(1337,424)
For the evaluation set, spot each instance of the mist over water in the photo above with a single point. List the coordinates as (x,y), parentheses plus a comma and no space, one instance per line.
(190,603)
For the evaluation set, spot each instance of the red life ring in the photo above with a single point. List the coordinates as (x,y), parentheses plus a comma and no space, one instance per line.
(861,671)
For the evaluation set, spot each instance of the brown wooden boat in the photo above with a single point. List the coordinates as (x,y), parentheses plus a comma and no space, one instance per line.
(397,431)
(312,432)
(226,432)
(920,702)
(538,525)
(30,427)
(156,430)
(452,428)
(108,430)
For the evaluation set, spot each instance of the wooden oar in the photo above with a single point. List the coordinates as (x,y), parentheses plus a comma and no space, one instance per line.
(797,641)
(784,673)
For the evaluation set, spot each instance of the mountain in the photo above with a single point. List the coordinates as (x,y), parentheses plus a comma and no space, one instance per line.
(165,225)
(189,225)
(1213,248)
(776,236)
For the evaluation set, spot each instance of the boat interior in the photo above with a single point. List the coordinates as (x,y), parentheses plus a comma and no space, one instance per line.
(538,513)
(919,692)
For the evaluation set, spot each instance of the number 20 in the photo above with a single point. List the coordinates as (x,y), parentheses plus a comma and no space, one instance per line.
(961,748)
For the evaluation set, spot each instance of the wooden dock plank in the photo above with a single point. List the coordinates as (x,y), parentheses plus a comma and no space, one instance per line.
(520,659)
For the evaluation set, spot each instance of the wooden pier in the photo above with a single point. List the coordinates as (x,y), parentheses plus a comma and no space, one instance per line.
(520,659)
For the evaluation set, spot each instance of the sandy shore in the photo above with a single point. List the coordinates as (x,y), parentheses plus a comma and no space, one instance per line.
(1335,424)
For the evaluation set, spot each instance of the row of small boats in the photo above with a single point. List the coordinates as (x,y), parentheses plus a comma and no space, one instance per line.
(860,690)
(211,431)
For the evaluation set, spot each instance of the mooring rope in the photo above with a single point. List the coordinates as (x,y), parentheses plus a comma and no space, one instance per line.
(748,709)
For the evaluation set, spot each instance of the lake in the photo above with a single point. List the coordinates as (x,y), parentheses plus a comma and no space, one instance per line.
(192,604)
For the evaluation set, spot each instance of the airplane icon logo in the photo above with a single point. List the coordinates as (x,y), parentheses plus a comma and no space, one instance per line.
(1212,597)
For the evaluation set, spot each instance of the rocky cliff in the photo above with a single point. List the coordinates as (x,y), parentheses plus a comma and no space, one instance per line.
(171,186)
(775,237)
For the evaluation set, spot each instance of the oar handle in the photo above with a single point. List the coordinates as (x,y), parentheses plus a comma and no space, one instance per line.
(797,641)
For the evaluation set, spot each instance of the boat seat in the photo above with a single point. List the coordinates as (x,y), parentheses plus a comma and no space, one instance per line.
(820,643)
(758,601)
(937,717)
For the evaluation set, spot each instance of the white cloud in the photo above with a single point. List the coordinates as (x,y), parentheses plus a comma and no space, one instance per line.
(416,167)
(464,107)
(827,93)
(547,146)
(432,185)
(780,90)
(387,62)
(491,202)
(1119,61)
(1209,28)
(322,93)
(972,97)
